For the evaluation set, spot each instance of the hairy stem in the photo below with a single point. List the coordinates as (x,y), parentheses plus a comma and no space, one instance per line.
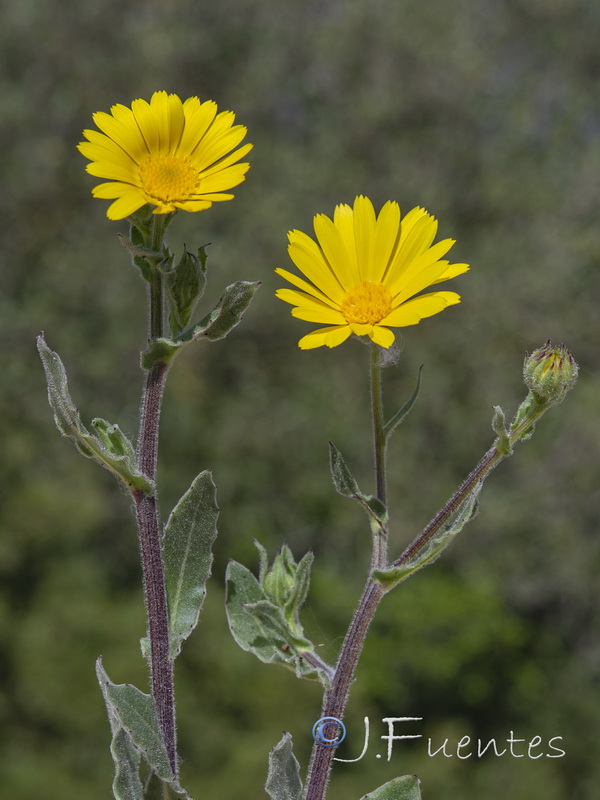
(379,438)
(490,460)
(379,553)
(317,662)
(156,299)
(146,507)
(334,701)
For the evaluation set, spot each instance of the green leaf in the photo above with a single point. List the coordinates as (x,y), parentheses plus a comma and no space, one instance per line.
(399,417)
(285,583)
(392,576)
(263,562)
(343,479)
(110,448)
(129,748)
(346,485)
(222,319)
(259,627)
(499,427)
(188,539)
(135,713)
(275,626)
(374,508)
(113,439)
(225,315)
(127,759)
(277,583)
(161,350)
(126,783)
(283,780)
(242,590)
(299,592)
(154,789)
(253,620)
(140,240)
(405,788)
(185,284)
(136,246)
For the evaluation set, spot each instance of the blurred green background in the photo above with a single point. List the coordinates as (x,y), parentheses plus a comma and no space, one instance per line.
(488,114)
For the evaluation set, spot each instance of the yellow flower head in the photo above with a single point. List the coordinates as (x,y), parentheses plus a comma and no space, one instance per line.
(365,272)
(166,153)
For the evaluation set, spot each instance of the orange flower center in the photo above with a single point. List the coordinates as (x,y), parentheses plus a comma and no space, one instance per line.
(367,303)
(168,179)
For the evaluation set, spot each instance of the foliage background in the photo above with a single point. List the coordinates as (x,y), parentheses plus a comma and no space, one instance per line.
(487,113)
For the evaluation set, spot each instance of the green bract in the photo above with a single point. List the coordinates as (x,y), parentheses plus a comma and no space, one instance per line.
(550,372)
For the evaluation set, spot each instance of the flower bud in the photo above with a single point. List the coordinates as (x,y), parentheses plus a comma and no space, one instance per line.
(279,582)
(286,583)
(550,372)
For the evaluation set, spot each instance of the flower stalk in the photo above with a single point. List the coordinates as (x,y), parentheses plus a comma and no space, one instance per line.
(379,437)
(146,508)
(336,698)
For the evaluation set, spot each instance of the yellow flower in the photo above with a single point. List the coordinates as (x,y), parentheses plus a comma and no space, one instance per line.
(365,272)
(166,153)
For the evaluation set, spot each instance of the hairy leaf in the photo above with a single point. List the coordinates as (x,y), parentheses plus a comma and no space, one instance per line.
(260,627)
(187,552)
(283,780)
(405,788)
(399,417)
(110,448)
(135,713)
(225,315)
(161,350)
(346,485)
(126,783)
(126,757)
(185,284)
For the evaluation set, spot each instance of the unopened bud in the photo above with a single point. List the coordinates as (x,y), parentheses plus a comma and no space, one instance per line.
(286,583)
(280,580)
(550,372)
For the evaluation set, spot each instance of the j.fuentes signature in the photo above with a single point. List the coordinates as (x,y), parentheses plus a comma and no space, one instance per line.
(329,731)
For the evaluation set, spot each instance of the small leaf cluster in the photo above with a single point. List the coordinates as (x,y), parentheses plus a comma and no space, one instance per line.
(263,614)
(184,283)
(214,326)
